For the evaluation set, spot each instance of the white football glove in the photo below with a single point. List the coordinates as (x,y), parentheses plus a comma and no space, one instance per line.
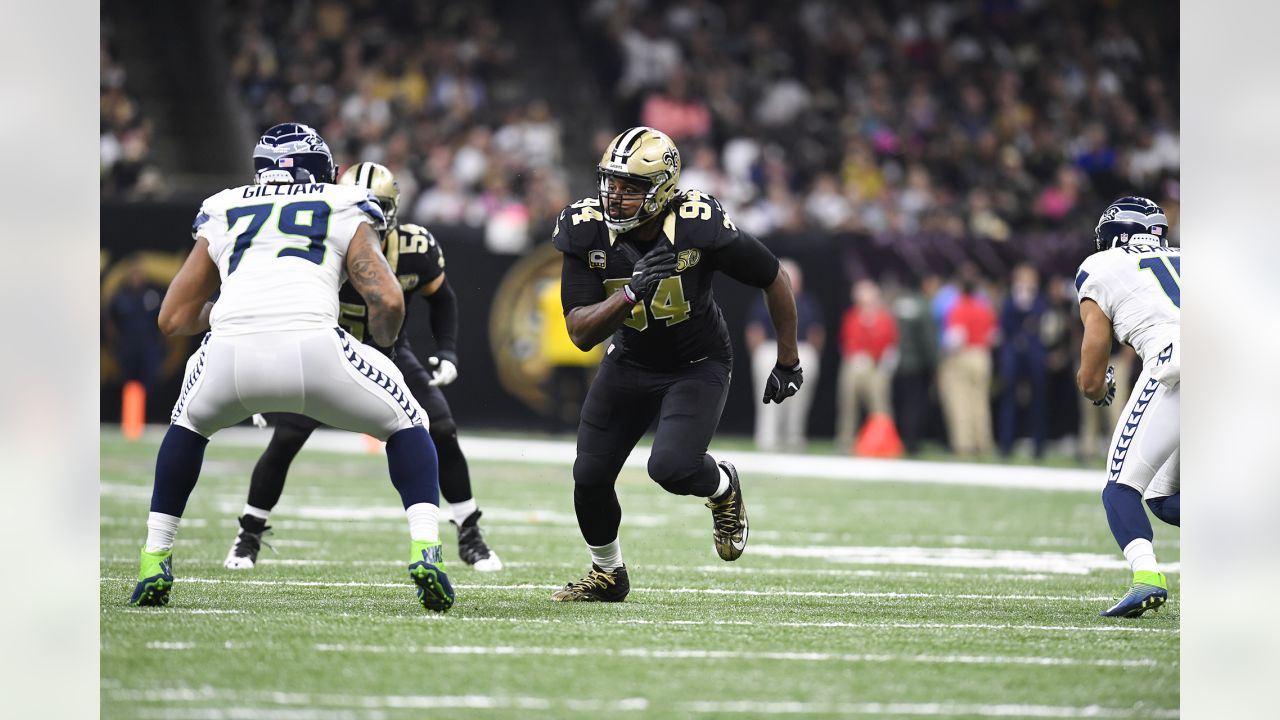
(443,371)
(1107,399)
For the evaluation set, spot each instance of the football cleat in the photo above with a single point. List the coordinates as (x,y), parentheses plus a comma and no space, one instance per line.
(729,525)
(243,554)
(472,548)
(155,579)
(597,586)
(1148,592)
(435,592)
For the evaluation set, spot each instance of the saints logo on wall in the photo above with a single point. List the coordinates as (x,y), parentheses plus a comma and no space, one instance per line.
(527,331)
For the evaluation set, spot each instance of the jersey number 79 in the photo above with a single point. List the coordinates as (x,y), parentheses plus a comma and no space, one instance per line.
(307,219)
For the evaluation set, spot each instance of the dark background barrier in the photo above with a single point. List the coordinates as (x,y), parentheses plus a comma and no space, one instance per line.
(477,397)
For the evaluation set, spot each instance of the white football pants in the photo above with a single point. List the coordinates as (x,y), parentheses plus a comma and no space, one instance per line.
(1144,446)
(323,374)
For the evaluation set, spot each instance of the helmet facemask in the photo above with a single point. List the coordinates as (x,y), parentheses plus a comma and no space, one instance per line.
(644,158)
(646,209)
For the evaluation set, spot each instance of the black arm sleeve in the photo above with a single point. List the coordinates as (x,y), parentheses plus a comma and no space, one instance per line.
(748,261)
(579,286)
(444,319)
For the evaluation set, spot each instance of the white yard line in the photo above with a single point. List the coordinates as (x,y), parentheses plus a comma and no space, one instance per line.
(758,465)
(701,654)
(324,704)
(927,710)
(674,591)
(1053,562)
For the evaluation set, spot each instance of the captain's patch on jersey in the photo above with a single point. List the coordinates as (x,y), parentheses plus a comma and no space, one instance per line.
(595,259)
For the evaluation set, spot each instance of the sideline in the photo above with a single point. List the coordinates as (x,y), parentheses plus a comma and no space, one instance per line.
(760,465)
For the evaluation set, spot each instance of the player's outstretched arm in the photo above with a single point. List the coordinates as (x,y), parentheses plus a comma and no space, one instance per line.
(371,276)
(185,308)
(1095,351)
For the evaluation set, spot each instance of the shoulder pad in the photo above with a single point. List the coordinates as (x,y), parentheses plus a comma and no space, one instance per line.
(578,226)
(700,219)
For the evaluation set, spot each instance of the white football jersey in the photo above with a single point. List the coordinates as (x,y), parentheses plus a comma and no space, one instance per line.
(1139,288)
(281,251)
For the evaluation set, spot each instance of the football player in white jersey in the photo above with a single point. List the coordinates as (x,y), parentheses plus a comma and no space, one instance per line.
(277,251)
(1131,288)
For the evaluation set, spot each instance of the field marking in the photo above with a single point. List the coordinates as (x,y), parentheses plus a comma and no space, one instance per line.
(324,703)
(673,591)
(927,709)
(702,654)
(267,560)
(1053,562)
(759,465)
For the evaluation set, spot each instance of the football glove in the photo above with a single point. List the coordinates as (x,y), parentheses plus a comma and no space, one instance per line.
(443,367)
(783,382)
(1107,399)
(651,269)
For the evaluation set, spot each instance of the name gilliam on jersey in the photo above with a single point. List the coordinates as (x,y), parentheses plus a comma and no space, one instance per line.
(254,191)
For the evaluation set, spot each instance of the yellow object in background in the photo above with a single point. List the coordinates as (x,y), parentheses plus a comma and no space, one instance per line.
(555,346)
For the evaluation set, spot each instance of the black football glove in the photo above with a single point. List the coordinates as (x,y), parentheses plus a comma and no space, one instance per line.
(656,265)
(783,382)
(1107,399)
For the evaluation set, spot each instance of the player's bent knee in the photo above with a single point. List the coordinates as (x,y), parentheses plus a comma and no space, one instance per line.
(593,471)
(1168,508)
(443,429)
(673,472)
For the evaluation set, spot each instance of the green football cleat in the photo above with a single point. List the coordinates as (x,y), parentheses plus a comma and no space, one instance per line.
(1148,592)
(155,579)
(435,592)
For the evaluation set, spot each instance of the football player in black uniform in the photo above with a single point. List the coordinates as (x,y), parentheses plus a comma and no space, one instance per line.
(638,264)
(418,261)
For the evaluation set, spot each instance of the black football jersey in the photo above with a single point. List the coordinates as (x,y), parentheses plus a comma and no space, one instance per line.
(681,323)
(416,259)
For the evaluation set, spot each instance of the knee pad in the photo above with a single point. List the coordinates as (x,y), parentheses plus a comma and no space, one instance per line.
(442,429)
(1168,508)
(594,471)
(674,473)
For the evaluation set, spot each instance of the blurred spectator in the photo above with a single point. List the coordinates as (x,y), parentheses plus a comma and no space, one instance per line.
(124,144)
(868,352)
(676,112)
(1023,360)
(132,328)
(917,360)
(964,374)
(783,427)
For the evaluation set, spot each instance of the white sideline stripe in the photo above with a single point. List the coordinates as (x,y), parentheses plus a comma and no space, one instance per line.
(313,702)
(1035,567)
(674,591)
(700,654)
(185,611)
(759,465)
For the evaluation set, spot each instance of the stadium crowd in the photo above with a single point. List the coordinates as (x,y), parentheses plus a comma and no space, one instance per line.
(911,138)
(124,143)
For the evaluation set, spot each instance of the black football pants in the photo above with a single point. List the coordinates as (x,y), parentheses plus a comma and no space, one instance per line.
(620,406)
